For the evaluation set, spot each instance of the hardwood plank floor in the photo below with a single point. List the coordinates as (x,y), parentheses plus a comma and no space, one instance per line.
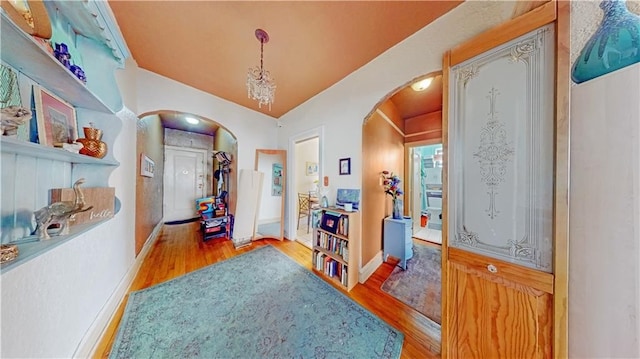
(180,250)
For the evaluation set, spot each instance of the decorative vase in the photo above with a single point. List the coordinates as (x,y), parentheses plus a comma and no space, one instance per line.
(93,146)
(614,45)
(324,202)
(397,209)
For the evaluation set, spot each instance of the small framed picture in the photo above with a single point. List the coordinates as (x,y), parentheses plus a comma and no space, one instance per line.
(329,222)
(147,166)
(311,168)
(56,119)
(345,166)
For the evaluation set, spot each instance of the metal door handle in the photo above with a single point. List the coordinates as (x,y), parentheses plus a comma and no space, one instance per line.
(491,268)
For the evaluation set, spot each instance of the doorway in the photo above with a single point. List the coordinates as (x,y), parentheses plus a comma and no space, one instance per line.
(183,182)
(426,191)
(306,182)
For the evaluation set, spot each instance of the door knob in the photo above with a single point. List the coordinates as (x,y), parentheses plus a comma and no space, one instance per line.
(491,268)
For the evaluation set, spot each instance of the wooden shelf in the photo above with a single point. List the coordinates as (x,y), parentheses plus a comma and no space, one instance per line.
(333,234)
(331,254)
(12,145)
(23,53)
(351,264)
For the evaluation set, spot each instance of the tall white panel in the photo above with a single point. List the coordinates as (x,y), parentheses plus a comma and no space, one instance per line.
(501,151)
(604,232)
(249,189)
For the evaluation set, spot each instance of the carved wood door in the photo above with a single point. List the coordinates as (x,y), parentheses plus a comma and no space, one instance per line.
(500,144)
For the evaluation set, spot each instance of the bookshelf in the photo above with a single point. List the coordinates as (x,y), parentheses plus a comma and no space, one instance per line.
(336,247)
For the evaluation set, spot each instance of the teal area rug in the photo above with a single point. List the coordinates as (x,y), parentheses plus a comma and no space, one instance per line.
(420,285)
(260,304)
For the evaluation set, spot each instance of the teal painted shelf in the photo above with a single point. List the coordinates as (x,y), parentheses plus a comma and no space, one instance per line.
(19,147)
(31,247)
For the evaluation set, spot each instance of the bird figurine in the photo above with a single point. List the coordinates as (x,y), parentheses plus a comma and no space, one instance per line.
(60,212)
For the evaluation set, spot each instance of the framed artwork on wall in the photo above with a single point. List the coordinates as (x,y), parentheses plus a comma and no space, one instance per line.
(345,166)
(56,119)
(311,168)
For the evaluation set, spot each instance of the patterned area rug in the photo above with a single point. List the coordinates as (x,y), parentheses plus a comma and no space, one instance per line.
(419,286)
(260,304)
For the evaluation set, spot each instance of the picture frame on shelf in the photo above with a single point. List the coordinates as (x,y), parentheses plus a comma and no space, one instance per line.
(56,119)
(147,166)
(329,221)
(345,166)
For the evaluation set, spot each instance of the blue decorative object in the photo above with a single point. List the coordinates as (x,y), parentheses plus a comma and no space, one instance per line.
(614,45)
(61,53)
(78,72)
(260,304)
(397,208)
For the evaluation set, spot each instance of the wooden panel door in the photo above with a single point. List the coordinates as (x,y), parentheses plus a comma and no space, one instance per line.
(499,145)
(502,312)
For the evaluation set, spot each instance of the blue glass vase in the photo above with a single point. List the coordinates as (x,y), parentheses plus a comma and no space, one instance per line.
(614,45)
(397,209)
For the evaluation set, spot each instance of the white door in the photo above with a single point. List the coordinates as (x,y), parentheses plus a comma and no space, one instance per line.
(183,182)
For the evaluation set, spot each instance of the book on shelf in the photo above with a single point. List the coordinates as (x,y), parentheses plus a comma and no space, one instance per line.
(333,244)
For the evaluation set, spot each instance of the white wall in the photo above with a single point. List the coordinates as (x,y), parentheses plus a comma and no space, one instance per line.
(252,129)
(604,260)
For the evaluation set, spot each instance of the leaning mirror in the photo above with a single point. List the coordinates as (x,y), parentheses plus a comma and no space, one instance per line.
(270,214)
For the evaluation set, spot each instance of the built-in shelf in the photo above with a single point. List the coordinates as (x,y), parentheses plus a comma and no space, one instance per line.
(31,247)
(12,145)
(25,54)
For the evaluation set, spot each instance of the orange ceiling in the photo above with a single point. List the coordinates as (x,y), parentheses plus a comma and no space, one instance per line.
(210,45)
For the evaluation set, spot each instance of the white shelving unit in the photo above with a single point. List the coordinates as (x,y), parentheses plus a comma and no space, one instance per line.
(30,170)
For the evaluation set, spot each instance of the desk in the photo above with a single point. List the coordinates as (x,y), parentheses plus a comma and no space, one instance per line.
(397,240)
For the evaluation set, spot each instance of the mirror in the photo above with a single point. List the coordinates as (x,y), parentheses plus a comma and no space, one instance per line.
(270,214)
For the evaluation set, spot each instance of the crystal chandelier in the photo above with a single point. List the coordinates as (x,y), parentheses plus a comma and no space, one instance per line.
(260,85)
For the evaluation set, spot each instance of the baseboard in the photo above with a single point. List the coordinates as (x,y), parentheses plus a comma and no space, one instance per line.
(93,337)
(367,270)
(269,220)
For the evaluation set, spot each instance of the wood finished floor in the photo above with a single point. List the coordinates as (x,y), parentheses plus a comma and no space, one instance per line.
(180,250)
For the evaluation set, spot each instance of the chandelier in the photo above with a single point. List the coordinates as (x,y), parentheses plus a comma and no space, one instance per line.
(260,85)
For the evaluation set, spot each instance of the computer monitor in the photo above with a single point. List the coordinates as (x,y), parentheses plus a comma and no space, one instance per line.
(346,195)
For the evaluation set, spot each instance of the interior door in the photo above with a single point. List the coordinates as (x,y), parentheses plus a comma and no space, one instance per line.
(183,182)
(499,185)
